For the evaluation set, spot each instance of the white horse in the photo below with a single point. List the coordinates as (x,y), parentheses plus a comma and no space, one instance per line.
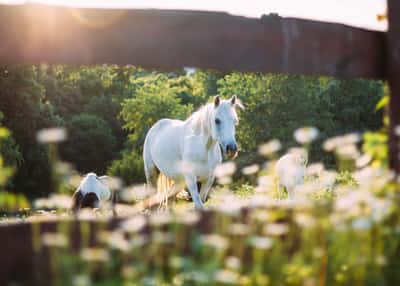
(188,152)
(290,171)
(92,192)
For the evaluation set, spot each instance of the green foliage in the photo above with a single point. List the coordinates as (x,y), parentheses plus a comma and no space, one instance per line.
(10,202)
(129,100)
(90,145)
(157,98)
(276,105)
(375,145)
(26,110)
(129,168)
(345,179)
(9,150)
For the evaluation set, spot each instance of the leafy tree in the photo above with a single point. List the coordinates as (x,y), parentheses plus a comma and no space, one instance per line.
(90,145)
(129,168)
(26,111)
(276,105)
(155,100)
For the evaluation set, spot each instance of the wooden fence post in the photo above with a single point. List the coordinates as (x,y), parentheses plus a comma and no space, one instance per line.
(393,77)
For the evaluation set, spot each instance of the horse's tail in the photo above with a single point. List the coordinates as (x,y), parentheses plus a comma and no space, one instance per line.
(164,185)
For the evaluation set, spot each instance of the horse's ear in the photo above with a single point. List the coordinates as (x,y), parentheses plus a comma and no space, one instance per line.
(236,102)
(217,100)
(233,99)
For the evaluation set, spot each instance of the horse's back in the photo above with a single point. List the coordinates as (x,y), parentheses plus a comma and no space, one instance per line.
(164,142)
(163,128)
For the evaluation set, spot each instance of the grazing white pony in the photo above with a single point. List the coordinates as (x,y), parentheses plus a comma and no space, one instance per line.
(290,171)
(188,152)
(92,191)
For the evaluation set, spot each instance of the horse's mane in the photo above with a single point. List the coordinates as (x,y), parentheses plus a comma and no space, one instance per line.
(200,120)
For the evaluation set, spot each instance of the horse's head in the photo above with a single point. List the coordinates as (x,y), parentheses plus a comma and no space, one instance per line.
(224,121)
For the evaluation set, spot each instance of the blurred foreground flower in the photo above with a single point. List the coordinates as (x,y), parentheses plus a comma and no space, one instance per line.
(81,280)
(95,255)
(134,224)
(270,147)
(226,277)
(250,170)
(335,142)
(276,229)
(216,241)
(51,135)
(225,170)
(397,130)
(315,169)
(53,202)
(233,262)
(261,242)
(306,135)
(363,160)
(348,151)
(137,193)
(54,240)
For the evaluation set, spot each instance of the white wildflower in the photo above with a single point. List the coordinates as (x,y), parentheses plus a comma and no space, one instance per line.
(136,193)
(117,241)
(81,280)
(261,242)
(351,138)
(239,229)
(266,182)
(95,254)
(397,130)
(226,277)
(270,147)
(161,218)
(250,170)
(305,220)
(348,151)
(134,224)
(216,241)
(225,169)
(331,144)
(51,135)
(314,169)
(54,240)
(224,180)
(276,229)
(363,160)
(306,135)
(233,262)
(186,217)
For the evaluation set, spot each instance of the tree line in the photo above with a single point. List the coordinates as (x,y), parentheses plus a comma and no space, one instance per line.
(107,111)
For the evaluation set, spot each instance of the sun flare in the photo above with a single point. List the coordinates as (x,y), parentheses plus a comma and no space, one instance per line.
(338,11)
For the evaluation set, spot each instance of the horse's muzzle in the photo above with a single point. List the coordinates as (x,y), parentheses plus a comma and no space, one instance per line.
(231,151)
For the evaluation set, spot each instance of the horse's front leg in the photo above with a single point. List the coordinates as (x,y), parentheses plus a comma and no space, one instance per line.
(206,187)
(191,183)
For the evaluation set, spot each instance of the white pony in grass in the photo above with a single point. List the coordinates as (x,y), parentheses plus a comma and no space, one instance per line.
(290,171)
(188,152)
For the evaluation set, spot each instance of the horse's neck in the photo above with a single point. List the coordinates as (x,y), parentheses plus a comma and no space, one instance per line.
(200,124)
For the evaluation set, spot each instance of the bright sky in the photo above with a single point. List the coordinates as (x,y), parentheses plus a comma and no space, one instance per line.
(359,13)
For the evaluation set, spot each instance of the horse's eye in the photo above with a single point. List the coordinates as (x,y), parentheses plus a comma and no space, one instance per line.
(217,121)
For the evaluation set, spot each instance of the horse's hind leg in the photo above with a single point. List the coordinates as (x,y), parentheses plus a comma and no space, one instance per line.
(150,169)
